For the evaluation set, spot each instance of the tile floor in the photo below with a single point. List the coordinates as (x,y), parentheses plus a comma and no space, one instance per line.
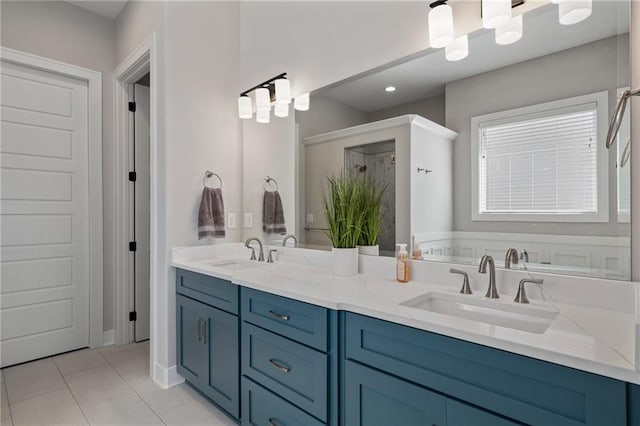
(107,386)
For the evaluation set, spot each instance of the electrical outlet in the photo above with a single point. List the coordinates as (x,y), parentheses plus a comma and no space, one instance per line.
(248,220)
(231,221)
(309,217)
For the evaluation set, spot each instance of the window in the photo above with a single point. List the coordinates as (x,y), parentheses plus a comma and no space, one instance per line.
(542,163)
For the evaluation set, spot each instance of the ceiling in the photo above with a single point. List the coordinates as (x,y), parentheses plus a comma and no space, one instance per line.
(110,9)
(426,75)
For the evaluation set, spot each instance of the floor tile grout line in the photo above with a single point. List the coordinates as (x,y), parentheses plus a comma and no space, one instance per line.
(70,391)
(6,395)
(132,388)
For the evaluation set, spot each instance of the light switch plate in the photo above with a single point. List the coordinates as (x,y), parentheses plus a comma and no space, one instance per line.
(231,221)
(309,217)
(248,220)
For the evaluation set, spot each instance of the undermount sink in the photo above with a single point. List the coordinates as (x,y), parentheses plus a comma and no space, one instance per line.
(532,319)
(236,265)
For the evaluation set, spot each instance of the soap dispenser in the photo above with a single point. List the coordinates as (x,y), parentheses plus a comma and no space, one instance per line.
(402,264)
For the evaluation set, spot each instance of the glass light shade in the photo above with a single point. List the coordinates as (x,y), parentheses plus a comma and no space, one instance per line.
(263,116)
(301,103)
(283,91)
(440,26)
(511,32)
(495,13)
(281,109)
(244,107)
(573,11)
(263,99)
(458,49)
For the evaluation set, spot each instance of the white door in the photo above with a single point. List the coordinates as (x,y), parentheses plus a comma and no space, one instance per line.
(141,213)
(44,240)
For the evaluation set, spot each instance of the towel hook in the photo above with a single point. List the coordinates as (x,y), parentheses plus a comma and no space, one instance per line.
(268,179)
(209,174)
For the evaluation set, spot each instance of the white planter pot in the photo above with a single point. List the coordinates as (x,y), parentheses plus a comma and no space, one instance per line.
(345,262)
(369,250)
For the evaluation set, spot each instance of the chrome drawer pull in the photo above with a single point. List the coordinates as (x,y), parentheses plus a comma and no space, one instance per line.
(279,316)
(272,422)
(279,366)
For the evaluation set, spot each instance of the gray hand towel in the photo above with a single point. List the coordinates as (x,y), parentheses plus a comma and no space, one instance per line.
(272,213)
(211,214)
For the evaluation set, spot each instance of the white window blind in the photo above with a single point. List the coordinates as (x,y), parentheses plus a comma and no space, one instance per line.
(540,163)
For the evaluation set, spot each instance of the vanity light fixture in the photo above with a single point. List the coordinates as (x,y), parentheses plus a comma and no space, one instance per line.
(301,103)
(390,89)
(458,49)
(276,89)
(440,24)
(573,11)
(510,32)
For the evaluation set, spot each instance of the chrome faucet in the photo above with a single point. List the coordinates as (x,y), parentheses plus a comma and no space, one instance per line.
(492,292)
(253,256)
(286,238)
(510,258)
(521,297)
(524,255)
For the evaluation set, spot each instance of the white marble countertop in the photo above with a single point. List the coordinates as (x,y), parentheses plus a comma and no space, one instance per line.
(586,338)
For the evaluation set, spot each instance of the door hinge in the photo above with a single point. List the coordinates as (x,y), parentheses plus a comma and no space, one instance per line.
(133,246)
(132,106)
(133,316)
(133,176)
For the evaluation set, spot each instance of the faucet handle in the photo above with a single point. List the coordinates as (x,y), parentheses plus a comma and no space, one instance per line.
(521,296)
(270,259)
(466,289)
(253,253)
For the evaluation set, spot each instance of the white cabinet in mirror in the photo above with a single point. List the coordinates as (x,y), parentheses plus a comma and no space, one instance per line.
(503,149)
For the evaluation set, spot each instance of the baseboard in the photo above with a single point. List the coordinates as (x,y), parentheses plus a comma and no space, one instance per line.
(109,337)
(166,377)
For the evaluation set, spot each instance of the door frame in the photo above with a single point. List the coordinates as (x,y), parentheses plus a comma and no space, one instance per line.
(135,66)
(94,139)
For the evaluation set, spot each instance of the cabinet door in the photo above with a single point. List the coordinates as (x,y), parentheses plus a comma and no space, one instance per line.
(459,414)
(374,398)
(192,353)
(221,340)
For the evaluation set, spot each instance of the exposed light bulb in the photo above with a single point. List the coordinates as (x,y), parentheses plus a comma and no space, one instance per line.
(573,11)
(440,26)
(283,91)
(263,116)
(301,103)
(281,109)
(244,107)
(495,13)
(511,32)
(263,99)
(458,49)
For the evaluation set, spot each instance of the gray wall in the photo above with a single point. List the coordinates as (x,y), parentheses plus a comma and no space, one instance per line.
(326,115)
(431,108)
(58,30)
(597,66)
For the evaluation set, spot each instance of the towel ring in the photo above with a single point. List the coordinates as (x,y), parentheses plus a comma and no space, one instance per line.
(209,174)
(268,179)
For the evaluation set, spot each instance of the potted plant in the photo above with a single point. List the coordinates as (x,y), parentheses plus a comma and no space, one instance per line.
(371,202)
(343,211)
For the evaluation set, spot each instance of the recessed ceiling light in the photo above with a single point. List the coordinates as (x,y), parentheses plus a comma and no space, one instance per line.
(389,89)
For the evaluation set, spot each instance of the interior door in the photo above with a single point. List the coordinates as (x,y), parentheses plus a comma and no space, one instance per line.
(44,296)
(141,214)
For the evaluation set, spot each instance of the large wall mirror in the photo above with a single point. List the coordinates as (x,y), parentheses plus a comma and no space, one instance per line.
(503,149)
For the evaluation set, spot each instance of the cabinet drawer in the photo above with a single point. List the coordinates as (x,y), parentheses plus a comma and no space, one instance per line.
(291,370)
(515,386)
(296,320)
(459,414)
(262,408)
(213,291)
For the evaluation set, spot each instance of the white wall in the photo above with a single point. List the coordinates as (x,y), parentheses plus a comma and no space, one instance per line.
(431,108)
(67,33)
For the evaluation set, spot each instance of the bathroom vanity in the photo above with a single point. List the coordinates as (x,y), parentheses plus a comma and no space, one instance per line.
(317,350)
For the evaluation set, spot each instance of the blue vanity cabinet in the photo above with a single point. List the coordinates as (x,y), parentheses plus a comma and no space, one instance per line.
(208,348)
(481,384)
(289,361)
